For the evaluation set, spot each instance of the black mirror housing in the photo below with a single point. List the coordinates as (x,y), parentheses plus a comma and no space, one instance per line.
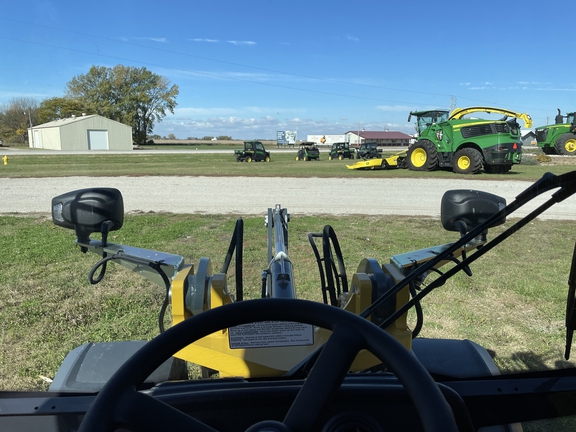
(463,210)
(86,210)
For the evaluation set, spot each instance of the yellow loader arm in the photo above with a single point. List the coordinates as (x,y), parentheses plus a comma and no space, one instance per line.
(458,113)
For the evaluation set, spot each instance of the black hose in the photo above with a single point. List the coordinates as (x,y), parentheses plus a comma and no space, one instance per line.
(332,286)
(154,265)
(236,244)
(102,263)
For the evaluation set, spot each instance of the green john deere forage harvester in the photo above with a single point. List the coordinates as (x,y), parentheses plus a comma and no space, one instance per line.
(448,140)
(559,138)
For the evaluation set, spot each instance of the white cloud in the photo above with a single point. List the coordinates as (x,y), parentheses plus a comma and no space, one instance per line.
(533,83)
(561,89)
(352,38)
(198,111)
(263,123)
(205,40)
(241,42)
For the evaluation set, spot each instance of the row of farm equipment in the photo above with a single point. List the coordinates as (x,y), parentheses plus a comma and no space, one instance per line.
(309,151)
(457,140)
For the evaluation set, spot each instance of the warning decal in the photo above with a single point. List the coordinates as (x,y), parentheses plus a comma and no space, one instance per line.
(270,334)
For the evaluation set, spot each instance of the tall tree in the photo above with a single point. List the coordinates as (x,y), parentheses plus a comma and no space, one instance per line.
(60,107)
(15,118)
(133,96)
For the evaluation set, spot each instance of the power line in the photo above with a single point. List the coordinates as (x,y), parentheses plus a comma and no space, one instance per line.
(215,75)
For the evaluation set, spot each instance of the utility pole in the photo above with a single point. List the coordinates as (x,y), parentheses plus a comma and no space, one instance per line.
(31,138)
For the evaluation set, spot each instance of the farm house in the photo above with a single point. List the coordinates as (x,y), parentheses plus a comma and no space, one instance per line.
(78,133)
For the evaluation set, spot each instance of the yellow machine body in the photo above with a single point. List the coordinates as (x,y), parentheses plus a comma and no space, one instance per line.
(459,113)
(379,163)
(215,352)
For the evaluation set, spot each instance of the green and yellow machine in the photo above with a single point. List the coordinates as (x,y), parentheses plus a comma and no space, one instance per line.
(466,145)
(308,151)
(341,150)
(559,138)
(252,151)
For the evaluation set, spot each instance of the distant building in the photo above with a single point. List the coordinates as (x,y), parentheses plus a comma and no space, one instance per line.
(85,132)
(528,137)
(383,138)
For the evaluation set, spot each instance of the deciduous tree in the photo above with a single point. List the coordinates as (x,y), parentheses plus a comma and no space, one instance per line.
(133,96)
(15,118)
(61,107)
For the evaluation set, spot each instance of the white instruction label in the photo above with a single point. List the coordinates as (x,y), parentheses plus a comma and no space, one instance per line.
(270,334)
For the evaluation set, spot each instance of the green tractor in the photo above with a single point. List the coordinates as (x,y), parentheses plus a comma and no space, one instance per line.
(559,138)
(341,150)
(253,151)
(448,140)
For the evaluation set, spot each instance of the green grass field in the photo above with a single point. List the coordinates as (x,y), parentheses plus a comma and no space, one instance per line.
(284,164)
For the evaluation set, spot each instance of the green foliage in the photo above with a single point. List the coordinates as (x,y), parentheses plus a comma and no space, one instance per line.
(61,107)
(133,96)
(224,138)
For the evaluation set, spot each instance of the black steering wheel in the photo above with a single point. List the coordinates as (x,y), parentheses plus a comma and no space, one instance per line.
(119,404)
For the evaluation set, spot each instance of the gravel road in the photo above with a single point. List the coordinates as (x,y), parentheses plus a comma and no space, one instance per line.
(254,195)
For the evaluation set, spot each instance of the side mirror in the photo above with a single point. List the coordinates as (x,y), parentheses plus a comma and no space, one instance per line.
(463,210)
(87,210)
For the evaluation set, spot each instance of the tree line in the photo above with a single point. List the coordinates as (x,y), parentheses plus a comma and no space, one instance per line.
(133,96)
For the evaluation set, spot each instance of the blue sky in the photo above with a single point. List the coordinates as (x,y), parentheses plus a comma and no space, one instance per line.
(248,69)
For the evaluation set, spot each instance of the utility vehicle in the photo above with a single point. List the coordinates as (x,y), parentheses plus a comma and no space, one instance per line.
(368,151)
(308,151)
(253,151)
(341,150)
(467,145)
(348,363)
(559,138)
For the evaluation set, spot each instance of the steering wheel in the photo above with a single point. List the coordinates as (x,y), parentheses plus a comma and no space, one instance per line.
(119,404)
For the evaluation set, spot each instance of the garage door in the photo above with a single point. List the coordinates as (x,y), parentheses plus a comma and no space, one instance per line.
(97,140)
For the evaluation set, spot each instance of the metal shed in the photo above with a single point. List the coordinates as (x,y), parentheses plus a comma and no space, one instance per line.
(78,133)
